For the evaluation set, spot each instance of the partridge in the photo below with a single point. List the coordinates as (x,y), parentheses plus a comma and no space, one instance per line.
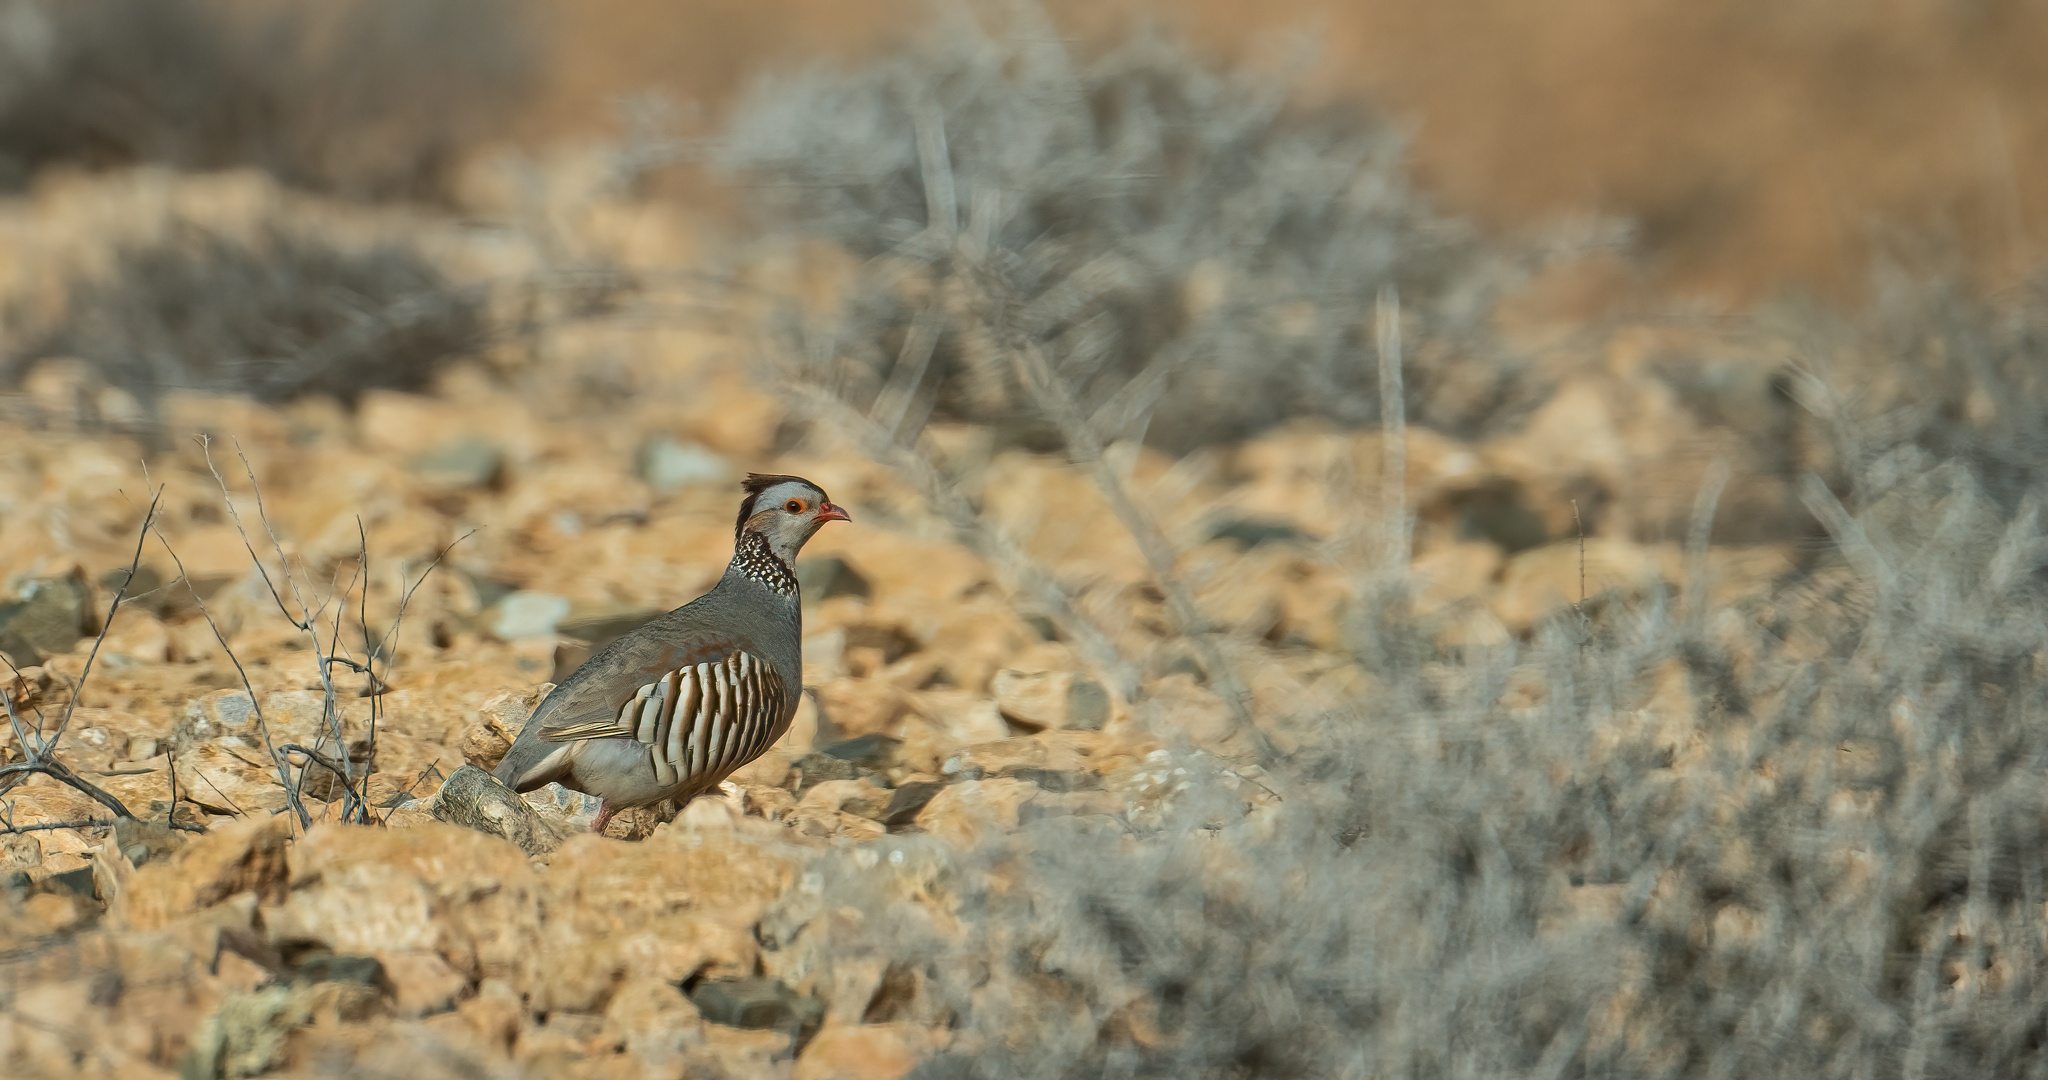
(671,709)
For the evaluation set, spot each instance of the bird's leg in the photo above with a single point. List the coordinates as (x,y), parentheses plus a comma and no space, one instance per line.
(605,811)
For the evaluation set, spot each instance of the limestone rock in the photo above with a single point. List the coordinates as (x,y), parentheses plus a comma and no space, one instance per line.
(860,1052)
(242,856)
(222,757)
(857,707)
(668,909)
(525,614)
(669,465)
(757,1003)
(498,723)
(1039,700)
(657,1023)
(569,812)
(462,463)
(47,616)
(475,799)
(966,812)
(472,900)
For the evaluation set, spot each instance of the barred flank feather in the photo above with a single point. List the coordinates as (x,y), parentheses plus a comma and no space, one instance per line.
(703,720)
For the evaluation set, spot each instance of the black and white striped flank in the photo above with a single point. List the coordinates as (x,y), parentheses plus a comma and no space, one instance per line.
(697,722)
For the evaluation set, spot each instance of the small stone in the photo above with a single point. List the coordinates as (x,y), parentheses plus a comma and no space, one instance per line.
(668,465)
(964,813)
(20,851)
(47,617)
(1041,700)
(823,577)
(568,811)
(322,966)
(874,751)
(859,1052)
(656,1022)
(246,856)
(79,882)
(421,982)
(497,725)
(859,706)
(461,463)
(1251,532)
(852,796)
(527,615)
(757,1003)
(819,767)
(906,801)
(475,799)
(600,626)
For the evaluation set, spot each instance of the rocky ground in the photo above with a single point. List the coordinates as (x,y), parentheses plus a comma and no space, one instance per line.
(1394,778)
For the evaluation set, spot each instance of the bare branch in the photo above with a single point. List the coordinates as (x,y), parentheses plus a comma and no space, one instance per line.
(291,789)
(106,624)
(1058,403)
(9,827)
(1393,430)
(227,497)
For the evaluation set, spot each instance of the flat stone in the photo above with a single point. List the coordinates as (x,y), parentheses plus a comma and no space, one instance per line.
(757,1003)
(47,617)
(1042,700)
(668,465)
(1251,532)
(526,614)
(475,799)
(906,801)
(874,751)
(461,463)
(823,577)
(602,626)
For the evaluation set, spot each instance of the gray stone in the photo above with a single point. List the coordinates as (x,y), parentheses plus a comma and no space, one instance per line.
(475,799)
(461,463)
(827,576)
(568,811)
(1251,532)
(527,614)
(873,751)
(47,617)
(669,465)
(1038,700)
(906,801)
(757,1003)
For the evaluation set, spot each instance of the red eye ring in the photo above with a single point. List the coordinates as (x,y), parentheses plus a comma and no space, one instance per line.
(794,506)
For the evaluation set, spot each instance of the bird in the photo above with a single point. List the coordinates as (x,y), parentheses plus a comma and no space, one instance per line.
(671,709)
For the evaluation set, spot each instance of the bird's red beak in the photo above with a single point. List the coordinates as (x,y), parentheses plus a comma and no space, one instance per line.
(828,512)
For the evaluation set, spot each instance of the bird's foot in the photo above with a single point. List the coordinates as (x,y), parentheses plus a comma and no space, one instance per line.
(604,817)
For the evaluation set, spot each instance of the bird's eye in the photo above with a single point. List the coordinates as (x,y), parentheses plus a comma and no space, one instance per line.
(794,506)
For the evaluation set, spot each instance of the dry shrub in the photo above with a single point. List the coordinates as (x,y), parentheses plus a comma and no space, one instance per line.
(363,97)
(1832,868)
(282,314)
(1195,255)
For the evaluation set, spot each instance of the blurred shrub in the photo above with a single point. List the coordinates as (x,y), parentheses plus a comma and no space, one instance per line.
(1185,248)
(1949,373)
(1826,859)
(361,97)
(273,317)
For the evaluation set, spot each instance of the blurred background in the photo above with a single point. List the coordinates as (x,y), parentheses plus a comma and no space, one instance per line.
(1472,538)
